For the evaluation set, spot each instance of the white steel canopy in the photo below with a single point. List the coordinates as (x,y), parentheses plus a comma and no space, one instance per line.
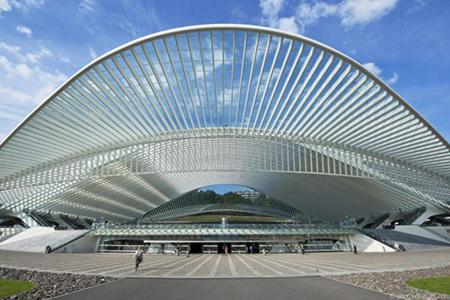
(212,104)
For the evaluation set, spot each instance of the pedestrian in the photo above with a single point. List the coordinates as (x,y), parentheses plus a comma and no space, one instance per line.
(396,247)
(355,251)
(138,258)
(226,249)
(188,251)
(302,249)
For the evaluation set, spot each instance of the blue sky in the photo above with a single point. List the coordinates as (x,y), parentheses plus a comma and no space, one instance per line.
(406,42)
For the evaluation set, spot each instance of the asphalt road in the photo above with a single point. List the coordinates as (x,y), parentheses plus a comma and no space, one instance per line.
(316,288)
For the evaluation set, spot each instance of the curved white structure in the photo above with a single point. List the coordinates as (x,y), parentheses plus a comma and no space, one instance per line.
(214,104)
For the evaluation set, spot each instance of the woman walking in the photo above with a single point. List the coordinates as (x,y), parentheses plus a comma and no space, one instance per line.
(138,258)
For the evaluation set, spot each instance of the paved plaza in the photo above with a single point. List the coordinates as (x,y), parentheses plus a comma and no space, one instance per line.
(227,266)
(245,288)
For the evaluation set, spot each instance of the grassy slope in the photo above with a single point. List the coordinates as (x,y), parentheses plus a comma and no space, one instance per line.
(12,287)
(433,284)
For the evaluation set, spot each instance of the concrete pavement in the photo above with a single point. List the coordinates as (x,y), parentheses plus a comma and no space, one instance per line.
(316,288)
(223,266)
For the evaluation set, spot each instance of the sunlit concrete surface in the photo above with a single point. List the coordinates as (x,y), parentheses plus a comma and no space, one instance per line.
(222,266)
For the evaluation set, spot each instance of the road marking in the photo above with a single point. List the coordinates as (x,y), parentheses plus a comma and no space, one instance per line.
(232,267)
(199,266)
(189,262)
(282,265)
(264,266)
(255,272)
(214,268)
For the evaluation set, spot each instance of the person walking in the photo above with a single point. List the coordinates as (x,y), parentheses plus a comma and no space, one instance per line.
(188,251)
(302,248)
(396,247)
(355,251)
(138,258)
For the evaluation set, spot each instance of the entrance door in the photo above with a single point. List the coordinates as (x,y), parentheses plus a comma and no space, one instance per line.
(196,248)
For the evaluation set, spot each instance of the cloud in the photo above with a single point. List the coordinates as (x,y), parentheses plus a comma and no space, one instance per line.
(372,67)
(24,5)
(288,24)
(30,57)
(393,79)
(24,30)
(4,6)
(92,53)
(9,48)
(350,12)
(36,57)
(11,69)
(64,58)
(11,113)
(364,11)
(308,14)
(7,93)
(418,6)
(87,5)
(17,68)
(271,10)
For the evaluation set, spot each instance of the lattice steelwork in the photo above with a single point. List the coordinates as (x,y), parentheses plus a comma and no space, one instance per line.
(249,202)
(212,104)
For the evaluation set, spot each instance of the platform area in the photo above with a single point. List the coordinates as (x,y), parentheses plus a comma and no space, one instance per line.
(226,266)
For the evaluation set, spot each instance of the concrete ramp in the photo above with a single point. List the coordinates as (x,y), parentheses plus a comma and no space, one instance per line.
(37,239)
(409,241)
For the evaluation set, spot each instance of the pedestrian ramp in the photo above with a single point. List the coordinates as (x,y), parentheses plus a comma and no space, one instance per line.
(408,241)
(38,239)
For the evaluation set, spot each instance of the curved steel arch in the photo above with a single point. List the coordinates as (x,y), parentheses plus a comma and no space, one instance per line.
(291,105)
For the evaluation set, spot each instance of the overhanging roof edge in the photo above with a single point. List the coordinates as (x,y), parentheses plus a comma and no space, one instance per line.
(229,26)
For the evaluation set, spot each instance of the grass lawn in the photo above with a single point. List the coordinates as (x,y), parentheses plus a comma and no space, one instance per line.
(12,287)
(433,284)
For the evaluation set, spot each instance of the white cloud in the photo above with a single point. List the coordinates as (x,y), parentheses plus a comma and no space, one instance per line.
(309,13)
(4,6)
(32,57)
(36,57)
(288,24)
(418,6)
(24,30)
(87,5)
(15,70)
(10,113)
(9,48)
(64,58)
(393,79)
(364,11)
(350,12)
(92,53)
(7,93)
(24,5)
(271,10)
(372,67)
